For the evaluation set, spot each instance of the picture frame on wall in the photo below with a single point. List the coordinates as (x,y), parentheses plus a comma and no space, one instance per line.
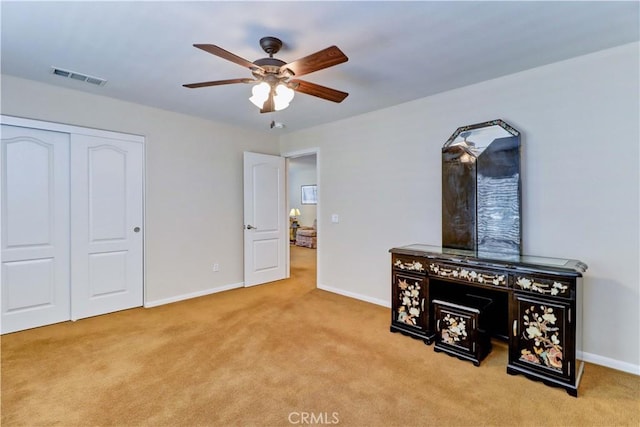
(309,195)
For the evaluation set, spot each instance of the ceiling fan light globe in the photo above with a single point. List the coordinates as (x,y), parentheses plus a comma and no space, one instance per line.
(258,102)
(279,105)
(284,93)
(283,97)
(261,89)
(260,94)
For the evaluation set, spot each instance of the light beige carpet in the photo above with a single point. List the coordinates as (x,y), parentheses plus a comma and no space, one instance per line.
(279,354)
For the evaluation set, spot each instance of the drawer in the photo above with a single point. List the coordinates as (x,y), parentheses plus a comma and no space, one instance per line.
(543,285)
(409,263)
(469,274)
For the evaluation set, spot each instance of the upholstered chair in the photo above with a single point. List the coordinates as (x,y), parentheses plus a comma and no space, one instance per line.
(307,236)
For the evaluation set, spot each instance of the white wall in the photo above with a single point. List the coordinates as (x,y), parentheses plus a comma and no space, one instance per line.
(193,183)
(381,172)
(302,171)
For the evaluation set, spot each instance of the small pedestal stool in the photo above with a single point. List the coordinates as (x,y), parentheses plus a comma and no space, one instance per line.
(460,328)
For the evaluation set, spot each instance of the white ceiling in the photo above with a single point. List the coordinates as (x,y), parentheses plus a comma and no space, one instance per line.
(398,51)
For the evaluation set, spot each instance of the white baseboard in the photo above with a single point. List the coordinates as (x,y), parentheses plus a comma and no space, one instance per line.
(587,357)
(354,295)
(149,304)
(611,363)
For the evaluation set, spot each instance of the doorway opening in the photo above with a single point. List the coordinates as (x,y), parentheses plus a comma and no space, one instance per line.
(303,209)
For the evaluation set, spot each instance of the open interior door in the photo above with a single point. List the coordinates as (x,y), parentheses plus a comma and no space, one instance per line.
(265,230)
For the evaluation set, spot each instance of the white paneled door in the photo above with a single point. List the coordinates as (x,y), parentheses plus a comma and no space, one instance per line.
(106,225)
(265,227)
(72,225)
(35,228)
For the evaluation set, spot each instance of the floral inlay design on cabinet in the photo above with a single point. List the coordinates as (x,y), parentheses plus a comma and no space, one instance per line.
(411,266)
(541,286)
(409,296)
(468,275)
(542,337)
(454,329)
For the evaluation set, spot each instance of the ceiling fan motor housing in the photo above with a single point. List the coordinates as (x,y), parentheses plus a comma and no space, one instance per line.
(272,70)
(270,64)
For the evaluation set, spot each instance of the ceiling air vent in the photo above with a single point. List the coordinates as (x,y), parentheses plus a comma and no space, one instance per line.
(78,76)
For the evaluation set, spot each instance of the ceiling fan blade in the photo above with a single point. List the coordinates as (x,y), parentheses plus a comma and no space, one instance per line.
(218,83)
(316,61)
(218,51)
(323,92)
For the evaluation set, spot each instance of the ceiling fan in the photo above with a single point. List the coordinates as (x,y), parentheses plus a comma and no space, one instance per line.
(274,82)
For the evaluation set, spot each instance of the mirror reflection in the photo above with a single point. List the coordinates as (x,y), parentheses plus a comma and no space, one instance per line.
(481,189)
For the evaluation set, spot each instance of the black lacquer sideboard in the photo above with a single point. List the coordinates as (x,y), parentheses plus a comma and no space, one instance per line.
(537,304)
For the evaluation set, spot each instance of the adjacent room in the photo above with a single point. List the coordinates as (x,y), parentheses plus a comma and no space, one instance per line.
(308,213)
(303,200)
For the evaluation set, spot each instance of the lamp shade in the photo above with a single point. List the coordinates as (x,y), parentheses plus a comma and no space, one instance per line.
(294,212)
(283,97)
(260,94)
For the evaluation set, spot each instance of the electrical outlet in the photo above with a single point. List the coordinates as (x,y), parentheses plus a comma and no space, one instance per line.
(335,218)
(216,267)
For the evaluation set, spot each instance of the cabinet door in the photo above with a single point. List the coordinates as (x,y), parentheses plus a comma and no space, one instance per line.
(540,336)
(408,303)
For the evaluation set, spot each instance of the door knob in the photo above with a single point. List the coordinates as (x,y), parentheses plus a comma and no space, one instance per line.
(136,229)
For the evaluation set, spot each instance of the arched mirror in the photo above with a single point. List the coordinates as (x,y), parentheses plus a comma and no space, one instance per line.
(481,208)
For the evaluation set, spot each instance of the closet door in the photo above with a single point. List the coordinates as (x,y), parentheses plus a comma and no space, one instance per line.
(106,225)
(35,227)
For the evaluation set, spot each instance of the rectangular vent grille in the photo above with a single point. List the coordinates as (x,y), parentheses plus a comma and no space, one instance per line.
(78,76)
